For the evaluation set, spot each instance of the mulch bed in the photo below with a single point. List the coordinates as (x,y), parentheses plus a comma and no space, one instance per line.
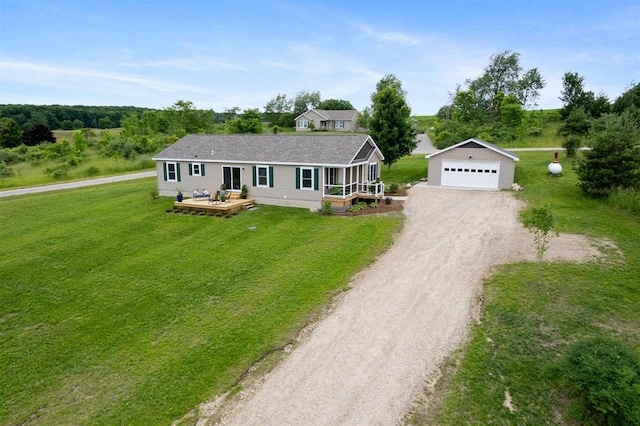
(395,206)
(401,192)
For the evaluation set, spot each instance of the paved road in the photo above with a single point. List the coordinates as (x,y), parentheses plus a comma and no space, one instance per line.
(366,361)
(424,145)
(77,184)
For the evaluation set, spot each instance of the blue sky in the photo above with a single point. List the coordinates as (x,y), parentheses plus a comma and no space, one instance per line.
(221,54)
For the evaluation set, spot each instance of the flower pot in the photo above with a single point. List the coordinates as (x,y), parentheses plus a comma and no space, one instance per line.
(179,197)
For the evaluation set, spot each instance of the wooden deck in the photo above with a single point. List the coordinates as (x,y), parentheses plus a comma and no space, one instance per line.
(203,205)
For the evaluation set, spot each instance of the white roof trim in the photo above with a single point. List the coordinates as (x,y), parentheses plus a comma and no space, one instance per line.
(375,149)
(354,114)
(479,142)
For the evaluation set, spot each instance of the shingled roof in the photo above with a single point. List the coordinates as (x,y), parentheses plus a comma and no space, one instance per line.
(333,114)
(268,149)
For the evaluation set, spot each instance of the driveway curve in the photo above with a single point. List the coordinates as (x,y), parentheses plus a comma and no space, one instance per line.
(76,184)
(366,361)
(425,146)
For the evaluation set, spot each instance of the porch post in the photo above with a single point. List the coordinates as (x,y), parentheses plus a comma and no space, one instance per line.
(324,176)
(344,183)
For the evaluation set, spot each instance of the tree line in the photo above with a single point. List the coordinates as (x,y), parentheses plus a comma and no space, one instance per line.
(67,117)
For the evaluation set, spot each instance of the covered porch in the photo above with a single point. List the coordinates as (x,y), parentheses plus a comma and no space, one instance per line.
(343,184)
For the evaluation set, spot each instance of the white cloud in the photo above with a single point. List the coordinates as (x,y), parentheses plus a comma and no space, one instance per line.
(385,36)
(55,75)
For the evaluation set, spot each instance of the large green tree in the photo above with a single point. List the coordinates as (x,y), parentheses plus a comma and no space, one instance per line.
(335,104)
(505,75)
(249,122)
(304,101)
(630,98)
(279,111)
(10,133)
(572,94)
(614,160)
(391,126)
(364,118)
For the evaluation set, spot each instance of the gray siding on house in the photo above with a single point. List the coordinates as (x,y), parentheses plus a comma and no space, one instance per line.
(314,116)
(507,165)
(284,190)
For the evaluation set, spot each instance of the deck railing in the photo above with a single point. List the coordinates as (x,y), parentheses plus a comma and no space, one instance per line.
(344,190)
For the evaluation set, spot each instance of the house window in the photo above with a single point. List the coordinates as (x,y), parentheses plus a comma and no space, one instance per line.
(306,178)
(373,171)
(303,124)
(339,124)
(263,175)
(196,169)
(172,174)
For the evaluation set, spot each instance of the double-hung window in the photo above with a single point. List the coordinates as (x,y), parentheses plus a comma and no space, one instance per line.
(263,176)
(306,178)
(303,124)
(172,172)
(197,171)
(339,124)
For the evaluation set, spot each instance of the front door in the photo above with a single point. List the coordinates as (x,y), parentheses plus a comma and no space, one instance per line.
(231,178)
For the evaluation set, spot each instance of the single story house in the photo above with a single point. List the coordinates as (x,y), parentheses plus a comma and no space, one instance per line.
(284,170)
(344,120)
(473,163)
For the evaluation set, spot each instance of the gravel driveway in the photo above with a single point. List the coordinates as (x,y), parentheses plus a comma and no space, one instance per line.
(365,362)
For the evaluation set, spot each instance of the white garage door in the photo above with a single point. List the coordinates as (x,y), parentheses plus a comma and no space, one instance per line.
(470,174)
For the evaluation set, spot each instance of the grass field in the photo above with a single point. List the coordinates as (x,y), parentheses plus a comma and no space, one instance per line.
(525,327)
(406,170)
(112,311)
(67,134)
(33,174)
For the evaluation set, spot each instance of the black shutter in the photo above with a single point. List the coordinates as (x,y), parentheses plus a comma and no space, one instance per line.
(254,173)
(164,167)
(202,169)
(270,177)
(178,171)
(297,177)
(190,169)
(316,179)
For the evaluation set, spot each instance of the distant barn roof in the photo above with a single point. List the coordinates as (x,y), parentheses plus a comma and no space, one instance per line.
(285,149)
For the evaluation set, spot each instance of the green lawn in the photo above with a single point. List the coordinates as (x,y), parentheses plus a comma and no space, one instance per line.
(406,170)
(112,311)
(525,328)
(548,138)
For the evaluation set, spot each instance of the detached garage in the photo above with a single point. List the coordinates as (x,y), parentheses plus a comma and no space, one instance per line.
(473,163)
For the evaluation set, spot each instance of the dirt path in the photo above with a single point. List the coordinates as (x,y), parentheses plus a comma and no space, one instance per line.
(368,358)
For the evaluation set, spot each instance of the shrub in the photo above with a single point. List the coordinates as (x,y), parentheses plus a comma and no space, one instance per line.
(374,205)
(614,159)
(388,200)
(358,207)
(571,144)
(59,172)
(326,208)
(5,171)
(485,137)
(606,373)
(93,171)
(393,187)
(155,194)
(276,130)
(11,156)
